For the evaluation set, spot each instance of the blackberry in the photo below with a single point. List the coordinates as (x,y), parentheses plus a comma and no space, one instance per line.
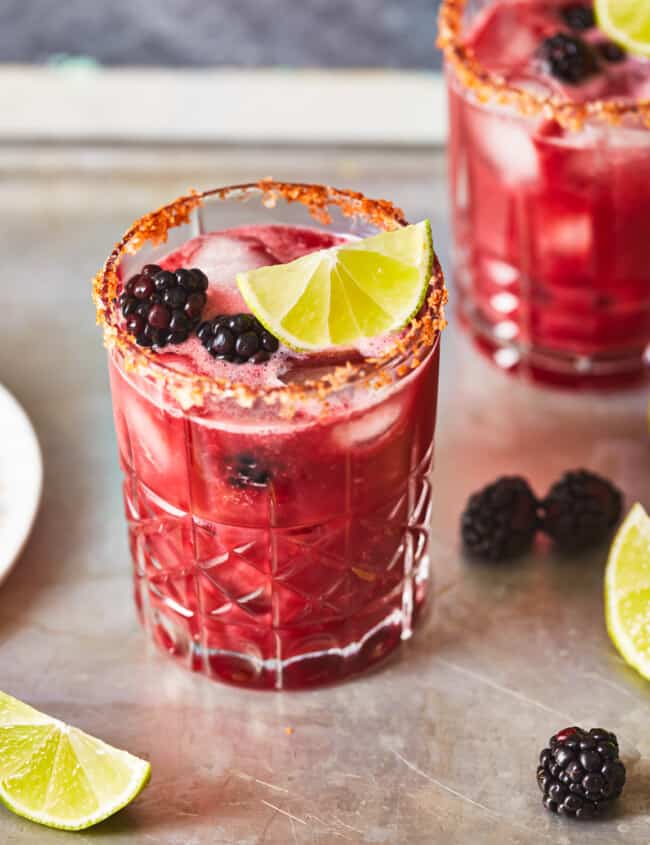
(578,17)
(246,470)
(162,307)
(611,52)
(238,338)
(580,510)
(500,521)
(580,772)
(568,58)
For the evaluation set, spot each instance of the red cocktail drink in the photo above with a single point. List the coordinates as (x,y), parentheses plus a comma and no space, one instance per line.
(278,511)
(550,163)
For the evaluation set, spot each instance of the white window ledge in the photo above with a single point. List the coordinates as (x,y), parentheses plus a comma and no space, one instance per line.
(40,104)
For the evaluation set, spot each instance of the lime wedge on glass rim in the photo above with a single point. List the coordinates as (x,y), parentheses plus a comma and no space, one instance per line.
(340,295)
(57,775)
(627,22)
(627,591)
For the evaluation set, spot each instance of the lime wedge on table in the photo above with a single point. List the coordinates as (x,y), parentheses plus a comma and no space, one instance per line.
(627,22)
(58,776)
(337,296)
(627,591)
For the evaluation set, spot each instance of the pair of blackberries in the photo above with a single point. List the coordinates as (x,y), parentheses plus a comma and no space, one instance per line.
(501,520)
(580,772)
(161,307)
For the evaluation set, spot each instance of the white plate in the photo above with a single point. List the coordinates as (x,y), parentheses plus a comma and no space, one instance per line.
(21,479)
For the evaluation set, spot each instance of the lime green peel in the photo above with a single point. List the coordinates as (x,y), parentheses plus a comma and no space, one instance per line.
(58,776)
(627,591)
(341,295)
(627,22)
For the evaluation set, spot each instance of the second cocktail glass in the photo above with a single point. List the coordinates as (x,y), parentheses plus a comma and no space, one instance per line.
(549,189)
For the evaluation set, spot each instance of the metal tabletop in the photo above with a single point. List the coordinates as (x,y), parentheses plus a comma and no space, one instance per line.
(439,745)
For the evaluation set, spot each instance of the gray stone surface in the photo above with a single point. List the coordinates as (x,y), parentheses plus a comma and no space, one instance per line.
(439,745)
(293,33)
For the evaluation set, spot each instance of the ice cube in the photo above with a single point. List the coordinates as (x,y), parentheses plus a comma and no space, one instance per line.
(503,41)
(369,426)
(566,234)
(149,438)
(221,257)
(507,143)
(534,85)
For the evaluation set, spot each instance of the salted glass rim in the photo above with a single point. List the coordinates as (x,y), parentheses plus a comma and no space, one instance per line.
(490,86)
(410,348)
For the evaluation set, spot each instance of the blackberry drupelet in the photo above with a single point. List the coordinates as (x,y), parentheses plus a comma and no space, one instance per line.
(500,521)
(238,338)
(162,307)
(580,510)
(611,52)
(568,58)
(580,772)
(578,17)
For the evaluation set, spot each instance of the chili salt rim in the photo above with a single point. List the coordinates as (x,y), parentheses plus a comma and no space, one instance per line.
(191,389)
(491,86)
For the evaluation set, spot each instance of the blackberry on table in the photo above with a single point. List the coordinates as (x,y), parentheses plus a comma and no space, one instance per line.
(162,307)
(238,338)
(500,521)
(578,17)
(580,510)
(580,772)
(568,58)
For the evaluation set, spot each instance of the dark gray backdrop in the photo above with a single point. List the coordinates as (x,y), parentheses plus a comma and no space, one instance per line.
(292,33)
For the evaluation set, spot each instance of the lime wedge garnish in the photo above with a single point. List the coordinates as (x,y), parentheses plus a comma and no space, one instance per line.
(59,776)
(627,591)
(340,295)
(627,22)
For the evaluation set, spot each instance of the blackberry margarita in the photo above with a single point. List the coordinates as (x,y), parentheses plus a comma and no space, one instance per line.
(278,507)
(550,163)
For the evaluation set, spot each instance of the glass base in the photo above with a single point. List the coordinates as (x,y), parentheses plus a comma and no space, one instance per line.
(553,367)
(251,613)
(309,669)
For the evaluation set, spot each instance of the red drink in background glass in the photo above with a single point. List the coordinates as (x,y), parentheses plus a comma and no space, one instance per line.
(550,197)
(275,544)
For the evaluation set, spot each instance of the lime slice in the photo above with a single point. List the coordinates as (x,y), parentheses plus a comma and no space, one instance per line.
(58,776)
(337,296)
(627,591)
(627,22)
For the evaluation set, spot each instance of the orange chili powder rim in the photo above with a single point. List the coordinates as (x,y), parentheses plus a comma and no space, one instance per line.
(410,348)
(488,86)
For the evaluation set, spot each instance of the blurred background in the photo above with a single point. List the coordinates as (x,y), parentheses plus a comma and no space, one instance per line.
(235,71)
(241,33)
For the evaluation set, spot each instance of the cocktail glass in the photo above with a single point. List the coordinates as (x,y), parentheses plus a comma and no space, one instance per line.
(318,567)
(551,213)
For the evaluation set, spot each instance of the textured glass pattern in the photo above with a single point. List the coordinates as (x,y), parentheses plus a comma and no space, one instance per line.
(281,560)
